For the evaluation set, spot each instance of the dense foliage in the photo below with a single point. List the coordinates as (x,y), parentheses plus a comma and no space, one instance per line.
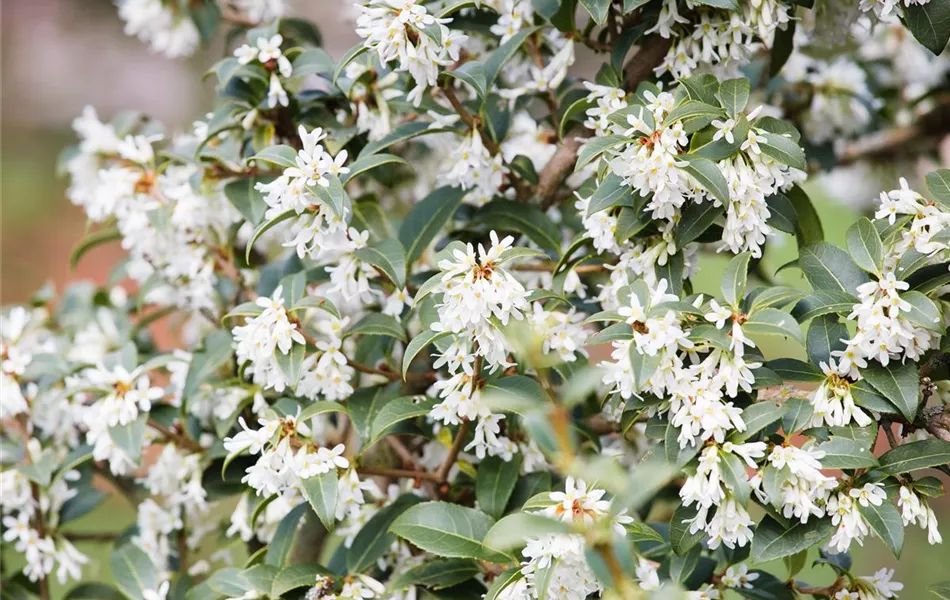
(438,332)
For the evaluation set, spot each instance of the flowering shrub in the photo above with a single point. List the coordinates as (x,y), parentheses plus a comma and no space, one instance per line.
(397,274)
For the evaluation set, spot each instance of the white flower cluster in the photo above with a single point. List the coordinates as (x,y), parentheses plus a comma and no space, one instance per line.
(290,452)
(570,577)
(886,8)
(721,39)
(266,52)
(403,31)
(651,165)
(841,103)
(170,221)
(159,25)
(320,231)
(24,514)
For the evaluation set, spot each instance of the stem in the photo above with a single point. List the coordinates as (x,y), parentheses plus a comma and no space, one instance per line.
(454,451)
(470,121)
(399,473)
(178,439)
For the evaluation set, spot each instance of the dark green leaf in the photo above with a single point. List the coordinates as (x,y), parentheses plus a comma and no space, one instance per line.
(772,541)
(320,491)
(426,220)
(495,482)
(914,456)
(865,246)
(886,522)
(829,268)
(930,23)
(898,383)
(448,530)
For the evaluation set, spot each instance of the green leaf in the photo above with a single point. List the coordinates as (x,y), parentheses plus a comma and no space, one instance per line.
(501,55)
(133,571)
(772,541)
(611,192)
(772,321)
(930,23)
(696,219)
(129,438)
(281,155)
(283,541)
(808,228)
(734,95)
(938,182)
(290,364)
(941,590)
(293,287)
(90,241)
(923,311)
(379,324)
(41,471)
(865,246)
(792,369)
(708,175)
(517,393)
(886,522)
(824,302)
(320,491)
(598,9)
(318,302)
(703,87)
(473,73)
(399,134)
(367,163)
(692,110)
(312,61)
(829,268)
(783,149)
(914,456)
(798,415)
(524,218)
(416,345)
(734,279)
(334,197)
(757,417)
(898,383)
(347,58)
(249,201)
(396,411)
(681,540)
(374,539)
(389,258)
(91,591)
(495,482)
(844,453)
(575,112)
(512,531)
(437,574)
(735,476)
(294,577)
(264,228)
(824,336)
(448,530)
(520,253)
(319,408)
(426,220)
(732,5)
(595,147)
(500,583)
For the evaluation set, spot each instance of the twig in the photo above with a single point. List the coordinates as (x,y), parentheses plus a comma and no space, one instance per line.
(454,451)
(472,122)
(178,439)
(909,139)
(399,473)
(83,536)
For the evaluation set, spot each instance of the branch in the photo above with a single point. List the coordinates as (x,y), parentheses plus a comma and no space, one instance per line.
(178,439)
(399,473)
(909,139)
(638,69)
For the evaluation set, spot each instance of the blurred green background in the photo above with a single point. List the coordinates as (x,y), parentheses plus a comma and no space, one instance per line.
(60,55)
